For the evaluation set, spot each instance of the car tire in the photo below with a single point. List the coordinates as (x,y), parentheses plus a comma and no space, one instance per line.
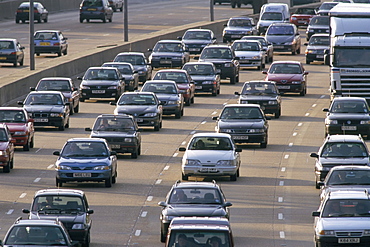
(233,79)
(271,59)
(304,91)
(59,54)
(11,164)
(104,19)
(218,91)
(163,235)
(278,113)
(182,112)
(259,67)
(178,115)
(81,20)
(65,52)
(294,52)
(134,154)
(32,142)
(67,124)
(238,173)
(6,169)
(15,64)
(39,20)
(308,61)
(184,177)
(77,108)
(71,110)
(27,146)
(317,186)
(108,182)
(62,127)
(86,242)
(157,127)
(299,50)
(16,21)
(263,144)
(38,54)
(214,93)
(58,183)
(234,177)
(111,19)
(45,20)
(188,102)
(21,62)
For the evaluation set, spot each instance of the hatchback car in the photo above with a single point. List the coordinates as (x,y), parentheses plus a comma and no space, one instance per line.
(11,51)
(290,76)
(183,81)
(196,39)
(302,16)
(50,41)
(23,12)
(169,53)
(67,205)
(267,46)
(20,126)
(316,47)
(339,150)
(192,199)
(211,155)
(101,82)
(63,84)
(95,10)
(6,148)
(144,106)
(120,131)
(284,37)
(139,61)
(85,160)
(317,25)
(348,115)
(238,27)
(246,123)
(325,7)
(250,53)
(263,93)
(116,5)
(128,73)
(205,77)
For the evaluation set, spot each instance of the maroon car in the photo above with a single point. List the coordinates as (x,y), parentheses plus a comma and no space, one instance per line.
(6,148)
(290,76)
(20,126)
(302,16)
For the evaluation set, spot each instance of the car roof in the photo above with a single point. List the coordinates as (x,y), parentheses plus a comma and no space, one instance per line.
(161,81)
(247,41)
(268,82)
(134,93)
(320,35)
(286,62)
(283,24)
(199,29)
(46,92)
(47,31)
(115,116)
(349,98)
(242,105)
(350,168)
(204,222)
(36,222)
(86,139)
(11,108)
(169,41)
(348,194)
(112,63)
(8,39)
(240,17)
(344,138)
(113,68)
(172,70)
(56,78)
(180,184)
(46,192)
(193,63)
(130,53)
(217,46)
(211,134)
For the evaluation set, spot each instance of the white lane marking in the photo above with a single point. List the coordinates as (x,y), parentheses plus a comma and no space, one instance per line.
(137,232)
(144,213)
(280,216)
(203,122)
(10,211)
(282,234)
(175,154)
(214,113)
(280,199)
(51,166)
(193,132)
(183,143)
(314,105)
(23,195)
(322,96)
(149,198)
(290,144)
(283,169)
(286,156)
(38,150)
(295,133)
(166,168)
(36,180)
(307,114)
(281,183)
(225,103)
(300,124)
(158,181)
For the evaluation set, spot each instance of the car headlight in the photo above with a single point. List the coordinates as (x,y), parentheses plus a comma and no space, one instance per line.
(150,114)
(296,82)
(243,101)
(183,91)
(225,163)
(208,82)
(364,121)
(256,130)
(127,139)
(168,217)
(329,121)
(84,87)
(311,51)
(78,226)
(99,168)
(310,31)
(141,72)
(20,133)
(63,167)
(176,58)
(3,153)
(172,102)
(327,232)
(228,65)
(53,114)
(366,232)
(226,130)
(112,87)
(294,18)
(256,57)
(227,31)
(192,162)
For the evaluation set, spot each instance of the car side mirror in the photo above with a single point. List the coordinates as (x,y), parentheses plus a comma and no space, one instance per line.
(79,78)
(314,155)
(88,129)
(31,120)
(236,93)
(306,73)
(316,214)
(325,109)
(32,88)
(321,183)
(65,38)
(20,102)
(150,49)
(56,153)
(112,103)
(268,117)
(306,44)
(227,204)
(264,72)
(113,153)
(239,150)
(90,211)
(215,118)
(182,149)
(25,211)
(162,204)
(179,37)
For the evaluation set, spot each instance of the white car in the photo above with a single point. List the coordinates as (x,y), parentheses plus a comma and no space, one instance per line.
(209,155)
(250,53)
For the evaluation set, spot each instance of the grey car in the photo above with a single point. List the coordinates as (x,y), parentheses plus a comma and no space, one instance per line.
(169,53)
(316,47)
(267,46)
(128,72)
(319,25)
(196,39)
(139,61)
(11,51)
(238,27)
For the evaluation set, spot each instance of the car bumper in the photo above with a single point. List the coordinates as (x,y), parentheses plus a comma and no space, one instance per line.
(293,88)
(47,49)
(205,88)
(92,15)
(8,58)
(284,48)
(315,57)
(4,161)
(76,175)
(209,171)
(334,241)
(363,129)
(57,122)
(250,138)
(233,36)
(20,140)
(104,93)
(147,121)
(171,109)
(78,235)
(123,147)
(226,72)
(250,63)
(270,109)
(166,63)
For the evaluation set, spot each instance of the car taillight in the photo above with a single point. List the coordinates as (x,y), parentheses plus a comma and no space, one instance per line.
(102,10)
(13,53)
(19,11)
(56,44)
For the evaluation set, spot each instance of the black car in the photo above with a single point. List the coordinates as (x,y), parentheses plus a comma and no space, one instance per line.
(169,53)
(196,39)
(47,108)
(23,12)
(316,47)
(223,57)
(120,131)
(67,205)
(192,199)
(64,85)
(246,123)
(101,82)
(50,41)
(284,37)
(129,74)
(263,93)
(205,77)
(139,61)
(267,46)
(348,115)
(145,107)
(11,51)
(237,27)
(95,10)
(319,25)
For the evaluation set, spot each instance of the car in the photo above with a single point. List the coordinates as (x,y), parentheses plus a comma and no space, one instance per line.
(343,218)
(101,82)
(86,160)
(284,37)
(250,53)
(183,80)
(316,47)
(349,177)
(20,126)
(211,155)
(272,12)
(267,47)
(339,150)
(70,206)
(116,4)
(139,61)
(26,232)
(169,53)
(23,12)
(120,131)
(128,72)
(325,7)
(245,123)
(225,60)
(196,39)
(302,16)
(289,76)
(317,25)
(264,93)
(66,86)
(348,115)
(50,41)
(192,199)
(144,106)
(95,10)
(205,77)
(47,108)
(237,27)
(11,51)
(6,148)
(168,94)
(215,231)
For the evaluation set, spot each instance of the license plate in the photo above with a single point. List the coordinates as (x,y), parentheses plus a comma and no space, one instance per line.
(45,43)
(283,87)
(349,127)
(91,9)
(278,46)
(240,137)
(194,49)
(26,10)
(208,170)
(348,240)
(139,120)
(235,36)
(41,120)
(198,87)
(117,146)
(82,175)
(98,91)
(2,58)
(320,56)
(166,61)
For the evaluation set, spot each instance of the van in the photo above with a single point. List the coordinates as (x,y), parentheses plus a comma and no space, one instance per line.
(271,13)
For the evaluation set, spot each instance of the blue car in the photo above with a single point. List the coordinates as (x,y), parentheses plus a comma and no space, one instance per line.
(50,41)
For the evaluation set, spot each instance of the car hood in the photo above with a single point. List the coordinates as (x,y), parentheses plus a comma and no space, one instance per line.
(302,15)
(318,27)
(209,156)
(3,145)
(44,108)
(84,161)
(196,41)
(67,94)
(166,54)
(183,86)
(348,116)
(288,77)
(195,210)
(110,134)
(332,188)
(65,218)
(264,97)
(238,29)
(241,124)
(215,60)
(247,53)
(167,97)
(203,77)
(280,39)
(317,47)
(344,161)
(345,223)
(140,67)
(267,23)
(100,82)
(128,76)
(135,110)
(17,126)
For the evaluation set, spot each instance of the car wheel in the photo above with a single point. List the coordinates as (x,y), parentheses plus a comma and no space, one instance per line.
(27,146)
(317,186)
(21,62)
(6,169)
(77,108)
(82,100)
(233,79)
(108,182)
(121,8)
(239,5)
(16,21)
(163,235)
(278,113)
(59,54)
(294,52)
(187,102)
(238,173)
(46,20)
(139,150)
(214,93)
(71,110)
(81,20)
(233,5)
(62,127)
(178,115)
(263,144)
(233,177)
(87,20)
(182,111)
(111,19)
(184,177)
(37,54)
(104,19)
(259,67)
(157,127)
(65,52)
(67,124)
(218,91)
(32,142)
(58,183)
(299,50)
(114,178)
(224,40)
(39,20)
(134,154)
(11,163)
(86,243)
(304,91)
(308,61)
(271,59)
(15,64)
(23,21)
(192,99)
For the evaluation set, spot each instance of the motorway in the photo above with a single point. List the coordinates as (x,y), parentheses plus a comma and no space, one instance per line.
(272,200)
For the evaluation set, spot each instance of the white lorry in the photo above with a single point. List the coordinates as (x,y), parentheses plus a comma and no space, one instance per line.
(349,50)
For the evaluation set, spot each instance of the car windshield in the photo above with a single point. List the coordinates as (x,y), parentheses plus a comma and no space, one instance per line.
(349,107)
(280,30)
(178,77)
(200,237)
(53,85)
(84,149)
(132,59)
(349,177)
(44,99)
(235,113)
(195,196)
(12,116)
(58,204)
(3,136)
(198,35)
(199,69)
(36,235)
(285,69)
(246,46)
(92,3)
(349,56)
(168,47)
(272,16)
(113,124)
(344,149)
(101,74)
(164,88)
(327,6)
(125,69)
(137,99)
(210,143)
(218,53)
(306,11)
(320,20)
(6,45)
(240,23)
(259,88)
(46,36)
(347,208)
(319,40)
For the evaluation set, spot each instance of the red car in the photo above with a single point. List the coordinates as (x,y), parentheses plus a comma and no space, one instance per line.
(290,76)
(302,16)
(6,148)
(20,126)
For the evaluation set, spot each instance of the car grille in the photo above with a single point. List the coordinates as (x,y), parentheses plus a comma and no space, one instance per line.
(349,122)
(78,168)
(332,165)
(321,30)
(99,86)
(259,102)
(113,139)
(241,131)
(349,234)
(38,115)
